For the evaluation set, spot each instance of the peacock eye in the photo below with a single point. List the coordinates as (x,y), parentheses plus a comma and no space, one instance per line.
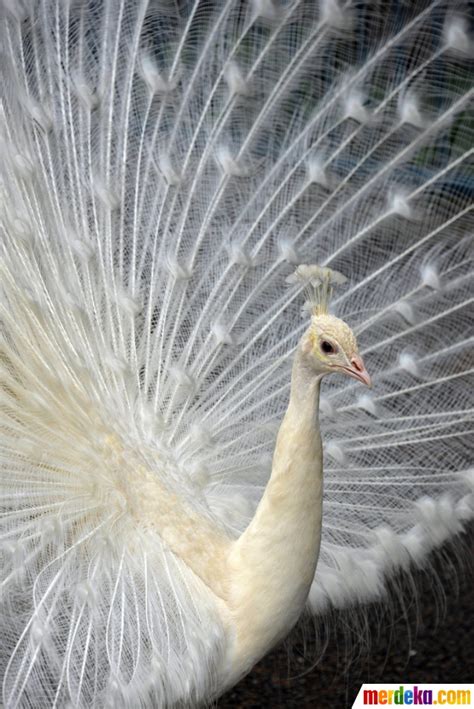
(327,347)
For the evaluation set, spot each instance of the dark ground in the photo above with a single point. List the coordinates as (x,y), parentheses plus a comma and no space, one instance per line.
(441,649)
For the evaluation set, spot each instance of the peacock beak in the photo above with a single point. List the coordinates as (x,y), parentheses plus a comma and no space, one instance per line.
(358,371)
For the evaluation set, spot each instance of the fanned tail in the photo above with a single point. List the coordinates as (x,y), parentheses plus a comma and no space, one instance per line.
(164,167)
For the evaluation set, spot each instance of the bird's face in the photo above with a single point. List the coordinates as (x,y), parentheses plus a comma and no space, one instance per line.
(329,345)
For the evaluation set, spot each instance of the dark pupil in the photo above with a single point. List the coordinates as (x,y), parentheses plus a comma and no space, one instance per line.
(327,347)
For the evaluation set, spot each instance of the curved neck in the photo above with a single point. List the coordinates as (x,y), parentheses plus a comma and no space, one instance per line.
(272,565)
(304,393)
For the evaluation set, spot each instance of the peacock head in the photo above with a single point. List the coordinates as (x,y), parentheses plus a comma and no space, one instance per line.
(329,345)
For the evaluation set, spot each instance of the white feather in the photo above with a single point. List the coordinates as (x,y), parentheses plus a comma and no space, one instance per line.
(457,35)
(409,109)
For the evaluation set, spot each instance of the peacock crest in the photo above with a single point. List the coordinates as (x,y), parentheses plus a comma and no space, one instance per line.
(318,283)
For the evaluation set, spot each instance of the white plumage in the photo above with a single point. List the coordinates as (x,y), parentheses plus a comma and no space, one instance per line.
(165,166)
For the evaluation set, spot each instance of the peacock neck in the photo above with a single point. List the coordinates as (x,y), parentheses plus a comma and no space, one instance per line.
(304,395)
(272,565)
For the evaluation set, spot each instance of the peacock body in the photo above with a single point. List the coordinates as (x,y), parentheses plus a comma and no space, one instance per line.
(165,167)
